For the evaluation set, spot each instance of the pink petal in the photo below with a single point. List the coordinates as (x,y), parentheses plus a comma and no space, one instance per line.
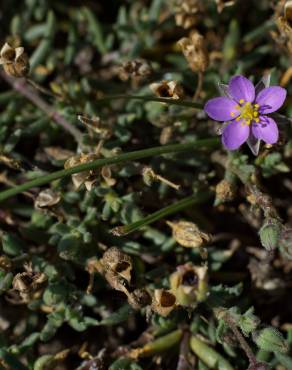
(241,88)
(266,130)
(235,134)
(271,99)
(220,108)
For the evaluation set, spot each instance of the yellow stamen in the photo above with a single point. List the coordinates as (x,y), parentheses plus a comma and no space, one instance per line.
(232,114)
(256,106)
(238,118)
(255,114)
(237,107)
(241,101)
(257,120)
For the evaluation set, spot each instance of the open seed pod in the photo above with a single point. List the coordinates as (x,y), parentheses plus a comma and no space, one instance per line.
(163,302)
(14,60)
(189,284)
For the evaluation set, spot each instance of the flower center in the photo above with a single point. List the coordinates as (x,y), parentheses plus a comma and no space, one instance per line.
(248,112)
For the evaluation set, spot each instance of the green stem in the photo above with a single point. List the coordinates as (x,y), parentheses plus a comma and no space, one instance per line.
(173,208)
(174,148)
(168,101)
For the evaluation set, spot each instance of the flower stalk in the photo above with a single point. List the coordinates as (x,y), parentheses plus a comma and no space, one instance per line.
(131,156)
(173,208)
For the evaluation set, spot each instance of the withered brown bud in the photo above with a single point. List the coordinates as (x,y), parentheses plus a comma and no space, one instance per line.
(167,89)
(139,298)
(188,12)
(189,284)
(14,60)
(221,4)
(225,191)
(163,302)
(195,51)
(118,262)
(188,235)
(46,198)
(137,69)
(88,178)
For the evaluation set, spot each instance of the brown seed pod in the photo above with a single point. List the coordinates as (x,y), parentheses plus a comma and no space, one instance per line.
(167,89)
(29,284)
(188,235)
(46,199)
(163,302)
(14,60)
(118,262)
(135,69)
(88,178)
(188,12)
(189,284)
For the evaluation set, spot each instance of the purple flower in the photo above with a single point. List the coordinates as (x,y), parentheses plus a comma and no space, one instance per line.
(244,108)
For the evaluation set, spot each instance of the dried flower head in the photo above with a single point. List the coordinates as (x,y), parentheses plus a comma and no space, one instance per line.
(195,51)
(47,198)
(88,178)
(246,110)
(189,284)
(167,89)
(163,302)
(14,60)
(135,69)
(188,12)
(188,235)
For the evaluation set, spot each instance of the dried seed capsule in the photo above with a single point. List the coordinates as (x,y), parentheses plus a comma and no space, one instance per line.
(118,262)
(189,284)
(46,198)
(88,178)
(167,89)
(14,60)
(188,12)
(195,51)
(163,302)
(188,235)
(137,69)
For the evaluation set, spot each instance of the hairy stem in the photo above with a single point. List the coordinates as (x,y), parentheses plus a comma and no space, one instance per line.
(131,156)
(22,87)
